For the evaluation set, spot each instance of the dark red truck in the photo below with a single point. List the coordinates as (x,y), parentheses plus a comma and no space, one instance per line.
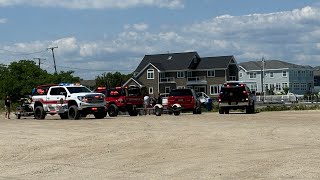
(124,99)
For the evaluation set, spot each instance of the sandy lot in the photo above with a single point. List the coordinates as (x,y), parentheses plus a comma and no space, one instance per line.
(268,145)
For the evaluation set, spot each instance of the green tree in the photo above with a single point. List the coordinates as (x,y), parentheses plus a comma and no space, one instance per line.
(19,78)
(112,79)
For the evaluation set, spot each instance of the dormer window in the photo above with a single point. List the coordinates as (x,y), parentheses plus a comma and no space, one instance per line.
(195,60)
(170,57)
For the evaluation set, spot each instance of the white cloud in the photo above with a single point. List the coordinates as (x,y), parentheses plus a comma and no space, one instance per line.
(3,20)
(96,4)
(293,36)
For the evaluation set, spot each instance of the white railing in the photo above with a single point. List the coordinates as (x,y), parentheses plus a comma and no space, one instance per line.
(167,80)
(198,78)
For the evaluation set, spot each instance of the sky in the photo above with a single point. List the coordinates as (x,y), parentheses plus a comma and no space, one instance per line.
(98,36)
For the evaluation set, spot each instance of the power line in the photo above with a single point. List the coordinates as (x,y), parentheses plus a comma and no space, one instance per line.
(54,60)
(39,59)
(22,53)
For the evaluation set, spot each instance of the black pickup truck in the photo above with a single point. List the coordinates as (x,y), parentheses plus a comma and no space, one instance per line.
(234,96)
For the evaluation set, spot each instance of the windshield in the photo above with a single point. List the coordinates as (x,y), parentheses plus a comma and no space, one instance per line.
(80,89)
(134,92)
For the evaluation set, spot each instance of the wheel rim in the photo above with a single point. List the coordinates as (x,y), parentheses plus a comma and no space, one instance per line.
(112,111)
(71,113)
(37,113)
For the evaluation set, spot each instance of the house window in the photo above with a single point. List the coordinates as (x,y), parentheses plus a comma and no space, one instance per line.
(303,86)
(195,60)
(284,73)
(278,86)
(296,86)
(215,89)
(271,75)
(150,90)
(211,73)
(167,89)
(252,75)
(180,74)
(284,85)
(150,74)
(240,75)
(253,87)
(189,74)
(162,75)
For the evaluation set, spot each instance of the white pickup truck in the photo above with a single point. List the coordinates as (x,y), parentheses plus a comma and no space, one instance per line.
(70,101)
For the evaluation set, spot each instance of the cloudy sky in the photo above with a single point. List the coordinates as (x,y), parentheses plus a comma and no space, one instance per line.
(100,36)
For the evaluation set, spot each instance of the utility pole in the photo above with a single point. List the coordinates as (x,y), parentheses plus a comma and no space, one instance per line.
(54,60)
(39,60)
(262,79)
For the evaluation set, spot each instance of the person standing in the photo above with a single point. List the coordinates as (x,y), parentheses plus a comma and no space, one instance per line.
(7,105)
(146,102)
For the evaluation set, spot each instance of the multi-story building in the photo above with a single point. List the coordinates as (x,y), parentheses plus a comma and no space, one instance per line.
(162,72)
(278,75)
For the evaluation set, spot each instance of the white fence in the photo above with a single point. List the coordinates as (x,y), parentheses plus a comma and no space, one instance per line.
(280,98)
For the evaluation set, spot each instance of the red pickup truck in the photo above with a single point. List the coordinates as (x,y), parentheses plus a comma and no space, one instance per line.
(122,99)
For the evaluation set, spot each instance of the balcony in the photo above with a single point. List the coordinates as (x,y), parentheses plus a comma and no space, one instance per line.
(168,80)
(196,80)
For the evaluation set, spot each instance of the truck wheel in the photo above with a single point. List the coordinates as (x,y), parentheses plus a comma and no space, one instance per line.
(199,110)
(39,112)
(113,110)
(176,113)
(100,115)
(221,111)
(158,111)
(133,112)
(73,112)
(18,116)
(64,115)
(226,111)
(248,109)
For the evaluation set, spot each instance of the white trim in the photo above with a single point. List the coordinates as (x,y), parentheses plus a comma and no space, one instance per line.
(183,75)
(146,67)
(131,79)
(149,72)
(151,90)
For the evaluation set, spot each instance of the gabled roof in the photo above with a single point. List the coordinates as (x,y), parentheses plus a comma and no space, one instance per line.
(270,64)
(170,61)
(134,80)
(219,62)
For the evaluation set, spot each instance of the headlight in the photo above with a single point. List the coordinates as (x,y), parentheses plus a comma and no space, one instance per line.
(81,98)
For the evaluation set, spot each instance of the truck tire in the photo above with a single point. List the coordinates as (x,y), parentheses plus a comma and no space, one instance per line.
(100,114)
(133,112)
(158,111)
(64,115)
(73,112)
(39,113)
(176,113)
(113,110)
(221,111)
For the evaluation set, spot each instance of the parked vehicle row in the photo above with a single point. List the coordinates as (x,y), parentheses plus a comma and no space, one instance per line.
(72,101)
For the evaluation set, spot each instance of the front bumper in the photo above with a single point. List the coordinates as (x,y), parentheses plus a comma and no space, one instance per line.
(84,105)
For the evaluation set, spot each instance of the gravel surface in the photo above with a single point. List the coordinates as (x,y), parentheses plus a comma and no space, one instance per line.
(267,145)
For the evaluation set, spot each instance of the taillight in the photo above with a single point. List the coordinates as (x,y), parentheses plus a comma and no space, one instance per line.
(244,92)
(219,98)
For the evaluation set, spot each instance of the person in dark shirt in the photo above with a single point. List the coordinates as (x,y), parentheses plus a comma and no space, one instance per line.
(7,105)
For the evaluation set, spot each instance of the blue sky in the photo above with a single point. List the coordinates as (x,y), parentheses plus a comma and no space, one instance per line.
(100,36)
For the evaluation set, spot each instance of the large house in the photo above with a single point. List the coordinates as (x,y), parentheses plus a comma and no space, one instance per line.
(162,72)
(278,75)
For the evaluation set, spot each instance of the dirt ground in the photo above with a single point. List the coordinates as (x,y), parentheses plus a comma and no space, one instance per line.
(268,145)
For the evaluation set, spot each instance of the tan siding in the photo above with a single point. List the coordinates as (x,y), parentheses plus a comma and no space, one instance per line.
(150,82)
